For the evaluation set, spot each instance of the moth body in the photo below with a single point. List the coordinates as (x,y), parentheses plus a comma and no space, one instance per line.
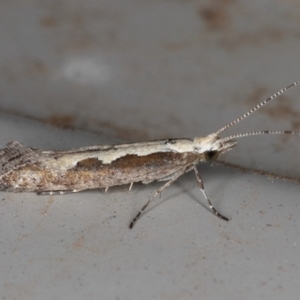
(100,166)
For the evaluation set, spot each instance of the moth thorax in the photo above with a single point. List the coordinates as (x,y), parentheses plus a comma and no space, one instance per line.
(207,143)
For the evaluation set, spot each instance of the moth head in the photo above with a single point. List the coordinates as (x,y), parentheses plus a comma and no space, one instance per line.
(212,145)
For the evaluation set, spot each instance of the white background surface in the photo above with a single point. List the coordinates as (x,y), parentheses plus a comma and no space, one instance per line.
(122,71)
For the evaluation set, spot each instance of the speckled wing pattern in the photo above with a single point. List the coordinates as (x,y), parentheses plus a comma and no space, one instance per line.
(26,169)
(15,156)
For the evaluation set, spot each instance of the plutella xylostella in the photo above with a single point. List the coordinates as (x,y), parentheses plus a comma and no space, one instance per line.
(26,169)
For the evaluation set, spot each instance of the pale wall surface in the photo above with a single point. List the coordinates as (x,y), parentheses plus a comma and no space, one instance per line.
(138,70)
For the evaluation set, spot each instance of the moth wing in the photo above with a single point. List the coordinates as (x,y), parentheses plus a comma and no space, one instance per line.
(168,177)
(16,155)
(164,178)
(171,175)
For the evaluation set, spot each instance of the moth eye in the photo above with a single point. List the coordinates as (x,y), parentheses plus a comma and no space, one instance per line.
(211,155)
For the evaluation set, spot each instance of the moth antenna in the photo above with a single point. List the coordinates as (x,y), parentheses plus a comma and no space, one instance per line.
(258,106)
(259,132)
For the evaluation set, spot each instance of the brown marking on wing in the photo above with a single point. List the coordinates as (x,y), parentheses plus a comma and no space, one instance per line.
(92,173)
(87,163)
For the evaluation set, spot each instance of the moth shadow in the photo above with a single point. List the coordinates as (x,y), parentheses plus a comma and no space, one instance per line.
(210,174)
(215,179)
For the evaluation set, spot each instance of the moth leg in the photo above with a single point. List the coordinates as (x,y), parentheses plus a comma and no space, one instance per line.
(130,187)
(201,186)
(57,192)
(158,192)
(106,190)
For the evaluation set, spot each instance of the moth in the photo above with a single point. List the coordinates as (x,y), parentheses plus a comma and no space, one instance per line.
(27,169)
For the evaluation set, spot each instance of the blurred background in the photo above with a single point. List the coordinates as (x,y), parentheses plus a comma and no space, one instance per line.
(128,70)
(141,70)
